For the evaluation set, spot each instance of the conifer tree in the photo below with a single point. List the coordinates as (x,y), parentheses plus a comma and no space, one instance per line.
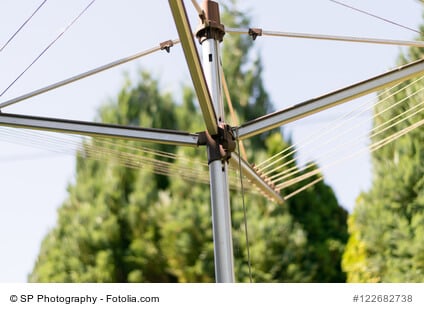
(387,225)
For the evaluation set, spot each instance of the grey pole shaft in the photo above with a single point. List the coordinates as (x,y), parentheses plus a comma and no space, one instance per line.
(221,223)
(220,201)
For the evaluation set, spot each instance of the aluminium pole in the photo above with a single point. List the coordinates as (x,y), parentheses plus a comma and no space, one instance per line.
(210,35)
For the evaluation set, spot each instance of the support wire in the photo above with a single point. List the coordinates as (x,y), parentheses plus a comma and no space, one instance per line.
(246,232)
(234,118)
(375,16)
(197,7)
(47,48)
(22,26)
(83,75)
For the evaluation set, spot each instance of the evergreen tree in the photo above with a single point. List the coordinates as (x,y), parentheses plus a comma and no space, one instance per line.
(129,225)
(387,225)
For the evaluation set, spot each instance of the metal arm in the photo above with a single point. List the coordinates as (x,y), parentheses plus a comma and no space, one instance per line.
(254,32)
(162,136)
(330,100)
(194,65)
(254,177)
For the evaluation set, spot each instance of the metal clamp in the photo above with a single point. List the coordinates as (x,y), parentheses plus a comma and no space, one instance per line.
(255,32)
(221,145)
(166,45)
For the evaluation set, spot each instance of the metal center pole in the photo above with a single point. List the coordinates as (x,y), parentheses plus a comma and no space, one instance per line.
(210,35)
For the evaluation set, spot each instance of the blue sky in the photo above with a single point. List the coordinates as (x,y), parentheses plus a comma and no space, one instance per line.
(33,181)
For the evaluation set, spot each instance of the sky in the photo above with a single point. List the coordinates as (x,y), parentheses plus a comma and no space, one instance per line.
(33,180)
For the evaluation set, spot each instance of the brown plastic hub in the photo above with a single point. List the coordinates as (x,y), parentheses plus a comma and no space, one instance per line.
(211,27)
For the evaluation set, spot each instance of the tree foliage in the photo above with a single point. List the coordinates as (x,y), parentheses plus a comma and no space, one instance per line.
(129,225)
(387,225)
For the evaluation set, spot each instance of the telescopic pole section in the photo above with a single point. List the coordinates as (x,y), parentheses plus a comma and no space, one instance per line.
(210,34)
